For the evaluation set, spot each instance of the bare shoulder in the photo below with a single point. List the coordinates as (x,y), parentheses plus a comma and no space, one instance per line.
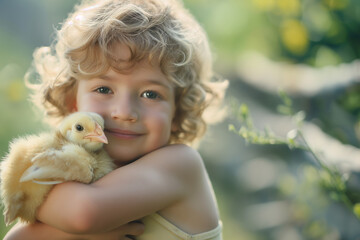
(177,162)
(176,151)
(177,156)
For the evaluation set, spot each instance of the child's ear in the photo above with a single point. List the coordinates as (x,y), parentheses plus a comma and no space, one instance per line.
(69,94)
(72,105)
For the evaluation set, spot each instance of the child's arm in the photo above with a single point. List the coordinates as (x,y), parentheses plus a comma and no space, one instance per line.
(40,231)
(154,182)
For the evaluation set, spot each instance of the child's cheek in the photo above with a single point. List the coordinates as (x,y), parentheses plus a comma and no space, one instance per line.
(163,125)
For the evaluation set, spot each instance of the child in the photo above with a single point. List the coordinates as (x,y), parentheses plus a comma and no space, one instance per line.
(145,66)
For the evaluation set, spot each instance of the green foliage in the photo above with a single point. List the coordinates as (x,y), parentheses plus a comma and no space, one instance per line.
(316,32)
(328,177)
(350,101)
(248,131)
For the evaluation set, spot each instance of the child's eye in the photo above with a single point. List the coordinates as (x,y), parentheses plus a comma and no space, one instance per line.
(103,90)
(150,94)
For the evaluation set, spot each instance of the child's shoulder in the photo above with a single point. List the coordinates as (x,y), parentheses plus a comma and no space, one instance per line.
(182,149)
(178,152)
(178,159)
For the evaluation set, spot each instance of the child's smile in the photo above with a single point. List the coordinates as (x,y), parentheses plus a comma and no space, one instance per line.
(123,134)
(138,108)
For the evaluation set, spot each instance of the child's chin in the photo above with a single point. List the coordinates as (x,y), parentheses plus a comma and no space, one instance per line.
(121,156)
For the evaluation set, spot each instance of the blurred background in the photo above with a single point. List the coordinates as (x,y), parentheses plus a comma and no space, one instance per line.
(310,49)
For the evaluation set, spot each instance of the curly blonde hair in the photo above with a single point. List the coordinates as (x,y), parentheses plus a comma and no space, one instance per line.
(160,31)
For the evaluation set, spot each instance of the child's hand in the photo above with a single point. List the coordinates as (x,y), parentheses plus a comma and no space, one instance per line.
(125,232)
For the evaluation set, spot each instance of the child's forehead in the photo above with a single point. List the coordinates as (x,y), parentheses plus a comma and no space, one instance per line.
(143,72)
(124,58)
(120,52)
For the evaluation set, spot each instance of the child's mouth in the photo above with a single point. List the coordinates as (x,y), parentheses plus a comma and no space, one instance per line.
(123,134)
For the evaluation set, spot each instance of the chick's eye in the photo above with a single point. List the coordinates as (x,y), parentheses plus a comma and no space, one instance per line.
(79,127)
(103,90)
(150,94)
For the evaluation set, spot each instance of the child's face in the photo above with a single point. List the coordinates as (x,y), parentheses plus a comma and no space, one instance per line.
(138,108)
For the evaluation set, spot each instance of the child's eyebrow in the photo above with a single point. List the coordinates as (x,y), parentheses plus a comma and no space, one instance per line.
(159,83)
(163,83)
(103,77)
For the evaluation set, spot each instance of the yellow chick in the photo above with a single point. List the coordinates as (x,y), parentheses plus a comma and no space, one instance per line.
(73,152)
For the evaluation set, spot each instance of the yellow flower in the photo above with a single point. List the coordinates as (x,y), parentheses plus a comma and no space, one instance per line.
(356,210)
(264,5)
(294,36)
(288,7)
(336,4)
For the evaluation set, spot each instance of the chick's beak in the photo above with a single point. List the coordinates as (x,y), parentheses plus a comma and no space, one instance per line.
(97,135)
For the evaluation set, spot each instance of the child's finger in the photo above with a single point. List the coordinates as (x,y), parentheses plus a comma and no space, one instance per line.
(131,229)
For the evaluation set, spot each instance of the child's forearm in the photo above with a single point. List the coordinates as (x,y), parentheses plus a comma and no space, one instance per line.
(63,208)
(69,207)
(40,231)
(37,231)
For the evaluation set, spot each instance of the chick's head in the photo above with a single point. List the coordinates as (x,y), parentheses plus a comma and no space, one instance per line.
(84,128)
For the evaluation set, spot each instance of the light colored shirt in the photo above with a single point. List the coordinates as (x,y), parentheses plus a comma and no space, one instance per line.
(158,228)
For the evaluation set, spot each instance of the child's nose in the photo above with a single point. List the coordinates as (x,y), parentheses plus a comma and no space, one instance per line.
(124,109)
